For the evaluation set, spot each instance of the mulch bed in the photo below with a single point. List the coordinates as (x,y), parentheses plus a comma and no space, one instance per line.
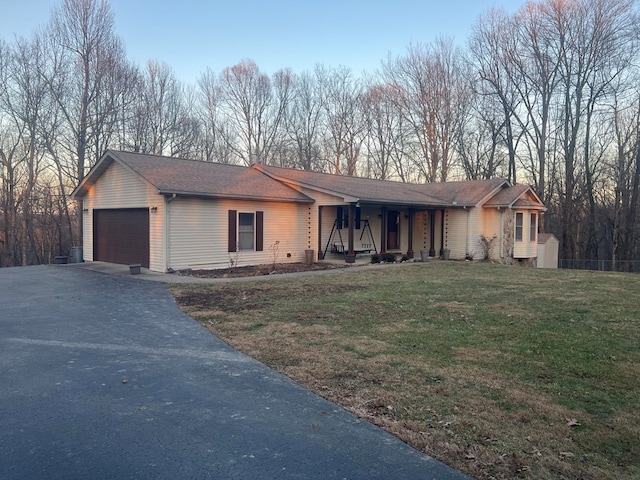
(260,270)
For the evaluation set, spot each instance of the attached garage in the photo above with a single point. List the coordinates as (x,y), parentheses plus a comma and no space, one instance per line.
(121,235)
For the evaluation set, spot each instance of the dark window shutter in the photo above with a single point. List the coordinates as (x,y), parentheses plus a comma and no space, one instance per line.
(233,229)
(358,220)
(339,215)
(259,231)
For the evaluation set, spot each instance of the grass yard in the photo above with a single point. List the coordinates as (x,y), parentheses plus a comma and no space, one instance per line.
(500,372)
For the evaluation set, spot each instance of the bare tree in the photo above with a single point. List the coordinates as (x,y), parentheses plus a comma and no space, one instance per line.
(215,132)
(83,47)
(481,147)
(434,102)
(386,133)
(587,36)
(23,99)
(164,121)
(255,106)
(344,124)
(303,121)
(493,49)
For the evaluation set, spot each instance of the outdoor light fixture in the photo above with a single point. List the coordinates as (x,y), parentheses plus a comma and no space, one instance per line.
(153,209)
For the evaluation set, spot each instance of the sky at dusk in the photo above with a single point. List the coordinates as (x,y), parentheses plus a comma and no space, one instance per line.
(193,35)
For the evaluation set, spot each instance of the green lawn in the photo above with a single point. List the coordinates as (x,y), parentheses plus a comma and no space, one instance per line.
(501,372)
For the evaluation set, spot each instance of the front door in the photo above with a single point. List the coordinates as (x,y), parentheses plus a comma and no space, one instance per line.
(393,230)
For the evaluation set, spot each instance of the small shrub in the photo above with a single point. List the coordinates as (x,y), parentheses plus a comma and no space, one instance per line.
(404,258)
(275,251)
(487,244)
(375,258)
(389,258)
(234,257)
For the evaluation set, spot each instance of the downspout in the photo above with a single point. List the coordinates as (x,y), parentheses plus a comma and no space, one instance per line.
(167,235)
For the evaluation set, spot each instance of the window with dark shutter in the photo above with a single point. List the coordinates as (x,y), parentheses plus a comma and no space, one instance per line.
(259,231)
(233,230)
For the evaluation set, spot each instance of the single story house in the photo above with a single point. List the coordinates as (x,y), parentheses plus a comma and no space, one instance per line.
(173,214)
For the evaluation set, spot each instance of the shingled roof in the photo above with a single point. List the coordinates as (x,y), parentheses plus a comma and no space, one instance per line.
(467,193)
(195,178)
(355,188)
(170,175)
(520,196)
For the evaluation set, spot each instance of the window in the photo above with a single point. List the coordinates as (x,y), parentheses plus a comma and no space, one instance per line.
(245,231)
(533,228)
(519,226)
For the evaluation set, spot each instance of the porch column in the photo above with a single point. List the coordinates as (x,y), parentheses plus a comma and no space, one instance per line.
(442,232)
(351,254)
(410,239)
(383,230)
(320,253)
(432,233)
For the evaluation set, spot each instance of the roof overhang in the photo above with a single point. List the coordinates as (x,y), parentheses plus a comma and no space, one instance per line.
(232,197)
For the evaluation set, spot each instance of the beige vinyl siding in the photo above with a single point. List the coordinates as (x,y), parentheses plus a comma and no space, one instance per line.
(492,229)
(198,237)
(118,187)
(456,229)
(476,228)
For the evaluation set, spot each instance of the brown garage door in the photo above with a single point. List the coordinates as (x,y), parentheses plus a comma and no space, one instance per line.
(121,236)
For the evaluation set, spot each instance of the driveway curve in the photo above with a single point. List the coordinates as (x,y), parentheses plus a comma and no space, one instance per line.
(103,377)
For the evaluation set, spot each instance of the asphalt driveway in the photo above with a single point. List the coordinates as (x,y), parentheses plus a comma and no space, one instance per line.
(102,377)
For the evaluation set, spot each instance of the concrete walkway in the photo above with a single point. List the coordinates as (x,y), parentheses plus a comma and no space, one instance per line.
(104,378)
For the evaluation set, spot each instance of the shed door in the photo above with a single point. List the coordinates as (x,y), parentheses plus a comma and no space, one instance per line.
(121,236)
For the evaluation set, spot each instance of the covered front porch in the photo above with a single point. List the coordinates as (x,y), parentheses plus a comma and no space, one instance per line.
(357,229)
